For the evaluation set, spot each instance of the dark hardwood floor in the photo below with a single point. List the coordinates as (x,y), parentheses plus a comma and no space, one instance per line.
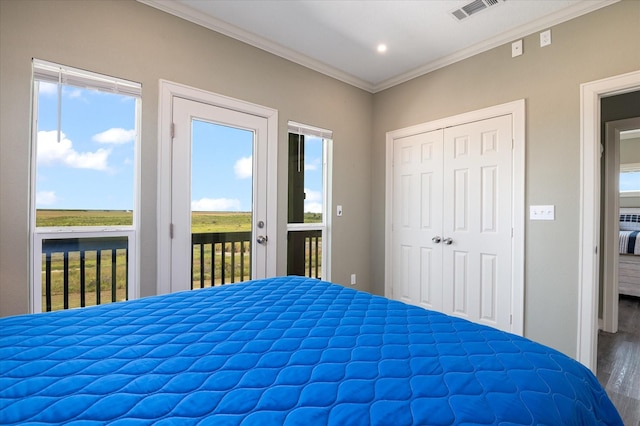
(619,361)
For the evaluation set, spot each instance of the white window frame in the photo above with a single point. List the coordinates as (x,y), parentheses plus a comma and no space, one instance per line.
(55,73)
(327,182)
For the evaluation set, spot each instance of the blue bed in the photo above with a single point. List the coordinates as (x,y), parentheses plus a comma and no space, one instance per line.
(287,350)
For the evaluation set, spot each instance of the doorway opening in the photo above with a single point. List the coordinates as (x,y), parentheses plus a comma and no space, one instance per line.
(589,226)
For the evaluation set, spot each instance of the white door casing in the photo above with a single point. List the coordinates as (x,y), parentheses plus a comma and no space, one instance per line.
(589,225)
(182,103)
(611,225)
(495,190)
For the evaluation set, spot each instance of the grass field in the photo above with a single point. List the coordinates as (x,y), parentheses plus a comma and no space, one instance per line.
(202,222)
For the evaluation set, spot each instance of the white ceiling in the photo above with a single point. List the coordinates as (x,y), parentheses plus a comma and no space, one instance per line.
(339,37)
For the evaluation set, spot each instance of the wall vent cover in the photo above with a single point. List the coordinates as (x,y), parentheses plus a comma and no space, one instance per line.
(473,7)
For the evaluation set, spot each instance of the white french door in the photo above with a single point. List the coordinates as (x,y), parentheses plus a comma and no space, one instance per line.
(452,220)
(221,164)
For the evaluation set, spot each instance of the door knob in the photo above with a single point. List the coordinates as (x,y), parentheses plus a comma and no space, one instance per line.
(436,239)
(262,240)
(447,241)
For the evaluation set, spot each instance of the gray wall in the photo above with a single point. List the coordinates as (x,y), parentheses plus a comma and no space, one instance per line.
(630,150)
(598,45)
(133,41)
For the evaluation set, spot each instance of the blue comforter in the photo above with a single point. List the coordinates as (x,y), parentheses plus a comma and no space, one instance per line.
(283,351)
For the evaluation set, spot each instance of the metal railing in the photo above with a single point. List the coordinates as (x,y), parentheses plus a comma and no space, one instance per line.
(219,258)
(304,253)
(73,269)
(76,267)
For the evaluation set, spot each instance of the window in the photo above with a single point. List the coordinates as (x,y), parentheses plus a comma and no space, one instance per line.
(84,185)
(308,237)
(630,180)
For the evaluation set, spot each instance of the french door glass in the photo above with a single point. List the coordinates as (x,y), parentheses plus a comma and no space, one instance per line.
(221,203)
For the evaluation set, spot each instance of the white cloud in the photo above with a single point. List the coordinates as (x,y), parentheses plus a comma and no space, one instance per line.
(73,93)
(215,205)
(47,88)
(244,168)
(46,198)
(312,207)
(50,151)
(311,195)
(312,164)
(115,135)
(312,201)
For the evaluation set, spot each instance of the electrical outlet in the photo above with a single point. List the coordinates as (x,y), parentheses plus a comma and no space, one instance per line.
(545,38)
(516,48)
(353,279)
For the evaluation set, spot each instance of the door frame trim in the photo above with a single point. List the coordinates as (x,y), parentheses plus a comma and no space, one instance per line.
(167,91)
(610,223)
(517,110)
(589,225)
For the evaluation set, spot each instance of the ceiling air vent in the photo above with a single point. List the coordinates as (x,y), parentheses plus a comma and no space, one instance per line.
(473,7)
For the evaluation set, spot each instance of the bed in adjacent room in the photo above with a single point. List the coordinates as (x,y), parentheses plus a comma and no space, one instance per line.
(629,260)
(286,350)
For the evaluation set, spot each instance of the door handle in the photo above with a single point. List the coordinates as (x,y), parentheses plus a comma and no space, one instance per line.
(447,241)
(262,240)
(436,239)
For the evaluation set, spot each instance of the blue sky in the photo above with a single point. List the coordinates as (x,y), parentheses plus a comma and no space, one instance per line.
(92,166)
(630,181)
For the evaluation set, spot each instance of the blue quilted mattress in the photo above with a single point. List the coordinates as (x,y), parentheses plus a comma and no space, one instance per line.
(288,351)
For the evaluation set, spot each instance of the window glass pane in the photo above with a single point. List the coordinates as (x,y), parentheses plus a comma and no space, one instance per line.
(306,179)
(84,170)
(221,203)
(313,188)
(630,181)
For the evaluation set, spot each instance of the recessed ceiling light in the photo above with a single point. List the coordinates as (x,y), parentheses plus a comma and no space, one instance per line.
(382,48)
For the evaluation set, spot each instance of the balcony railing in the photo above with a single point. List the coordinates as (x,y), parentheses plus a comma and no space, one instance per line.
(78,272)
(219,258)
(304,253)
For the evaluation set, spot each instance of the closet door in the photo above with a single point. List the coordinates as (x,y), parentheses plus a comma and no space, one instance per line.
(417,220)
(477,223)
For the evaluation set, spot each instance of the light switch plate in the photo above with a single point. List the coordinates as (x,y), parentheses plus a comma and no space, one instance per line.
(542,212)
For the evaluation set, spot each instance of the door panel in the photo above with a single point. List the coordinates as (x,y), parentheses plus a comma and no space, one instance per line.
(199,130)
(418,207)
(478,156)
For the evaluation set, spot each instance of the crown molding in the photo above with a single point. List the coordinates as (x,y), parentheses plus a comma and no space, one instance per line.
(578,9)
(180,10)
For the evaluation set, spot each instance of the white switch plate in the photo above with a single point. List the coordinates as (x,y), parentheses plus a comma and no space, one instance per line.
(516,48)
(353,279)
(542,212)
(545,38)
(339,210)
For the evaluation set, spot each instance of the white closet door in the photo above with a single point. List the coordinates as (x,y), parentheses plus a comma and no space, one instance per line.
(417,223)
(477,203)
